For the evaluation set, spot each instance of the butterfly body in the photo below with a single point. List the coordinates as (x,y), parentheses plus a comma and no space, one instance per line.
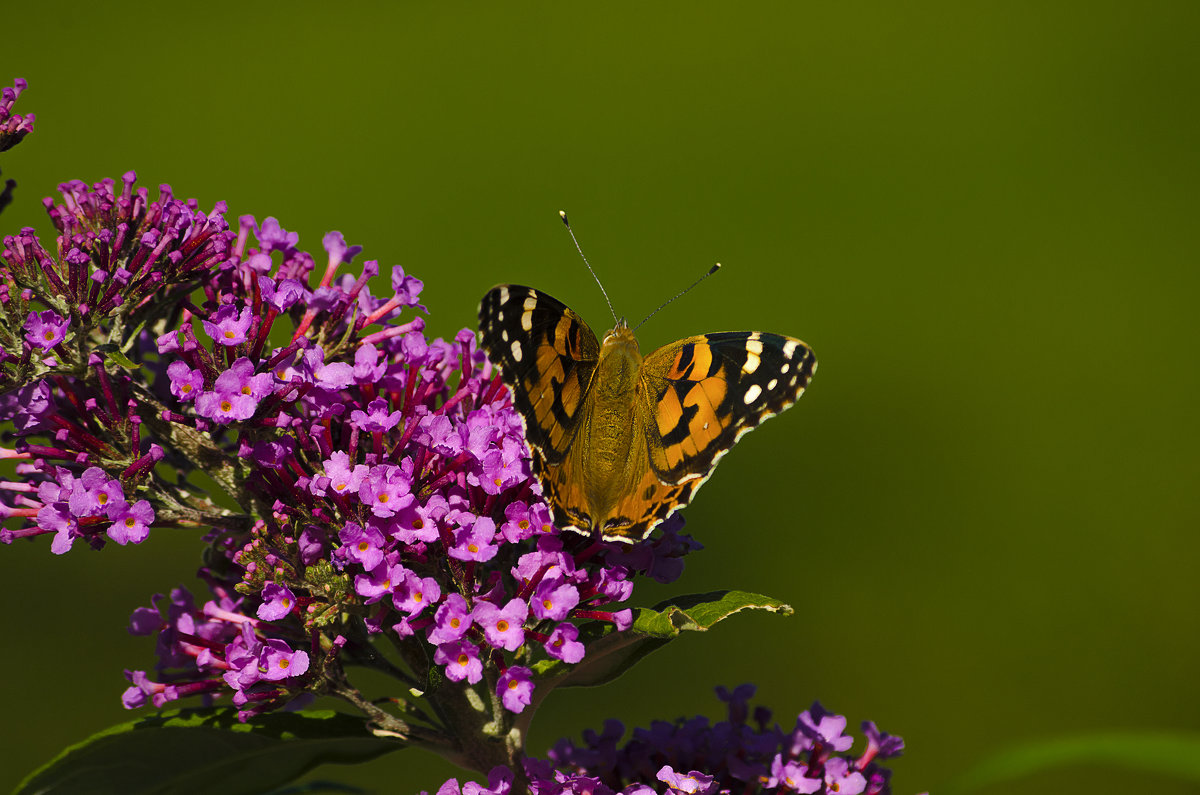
(610,457)
(619,441)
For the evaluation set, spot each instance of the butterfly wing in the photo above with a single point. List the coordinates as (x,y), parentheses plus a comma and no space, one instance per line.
(546,355)
(704,392)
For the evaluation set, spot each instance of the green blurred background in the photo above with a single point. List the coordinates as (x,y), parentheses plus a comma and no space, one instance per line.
(982,217)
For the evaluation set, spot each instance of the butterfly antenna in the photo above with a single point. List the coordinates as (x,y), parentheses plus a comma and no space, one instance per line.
(563,215)
(711,271)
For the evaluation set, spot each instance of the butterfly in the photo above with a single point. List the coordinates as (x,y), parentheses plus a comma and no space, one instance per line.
(620,442)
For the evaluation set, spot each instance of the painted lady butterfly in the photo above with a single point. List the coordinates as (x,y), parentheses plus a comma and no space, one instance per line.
(620,442)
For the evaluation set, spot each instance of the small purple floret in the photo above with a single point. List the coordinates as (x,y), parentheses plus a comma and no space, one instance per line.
(44,330)
(504,627)
(228,326)
(461,659)
(515,688)
(278,602)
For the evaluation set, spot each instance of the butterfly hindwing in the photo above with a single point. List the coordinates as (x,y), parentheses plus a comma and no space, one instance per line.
(704,392)
(649,503)
(546,355)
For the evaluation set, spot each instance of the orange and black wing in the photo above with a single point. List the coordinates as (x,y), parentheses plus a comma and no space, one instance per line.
(704,392)
(546,355)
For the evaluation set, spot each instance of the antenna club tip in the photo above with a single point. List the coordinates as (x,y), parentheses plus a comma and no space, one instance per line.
(714,269)
(563,215)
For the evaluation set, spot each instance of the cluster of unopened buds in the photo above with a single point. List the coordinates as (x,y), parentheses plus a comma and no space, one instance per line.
(373,488)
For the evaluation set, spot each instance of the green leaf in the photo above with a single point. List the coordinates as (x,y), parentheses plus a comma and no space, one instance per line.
(122,360)
(206,751)
(132,337)
(611,653)
(1173,754)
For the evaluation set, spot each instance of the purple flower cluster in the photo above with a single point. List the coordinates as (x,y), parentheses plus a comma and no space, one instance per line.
(746,753)
(414,513)
(13,127)
(382,478)
(73,332)
(93,499)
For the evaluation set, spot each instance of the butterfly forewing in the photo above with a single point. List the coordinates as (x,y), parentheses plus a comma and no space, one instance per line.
(546,355)
(704,392)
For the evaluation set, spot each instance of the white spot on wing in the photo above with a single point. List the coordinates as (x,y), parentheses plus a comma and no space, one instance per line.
(752,360)
(754,345)
(504,295)
(516,351)
(751,394)
(527,318)
(771,384)
(789,348)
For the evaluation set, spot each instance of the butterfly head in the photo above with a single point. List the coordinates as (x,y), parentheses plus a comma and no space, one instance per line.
(620,359)
(619,336)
